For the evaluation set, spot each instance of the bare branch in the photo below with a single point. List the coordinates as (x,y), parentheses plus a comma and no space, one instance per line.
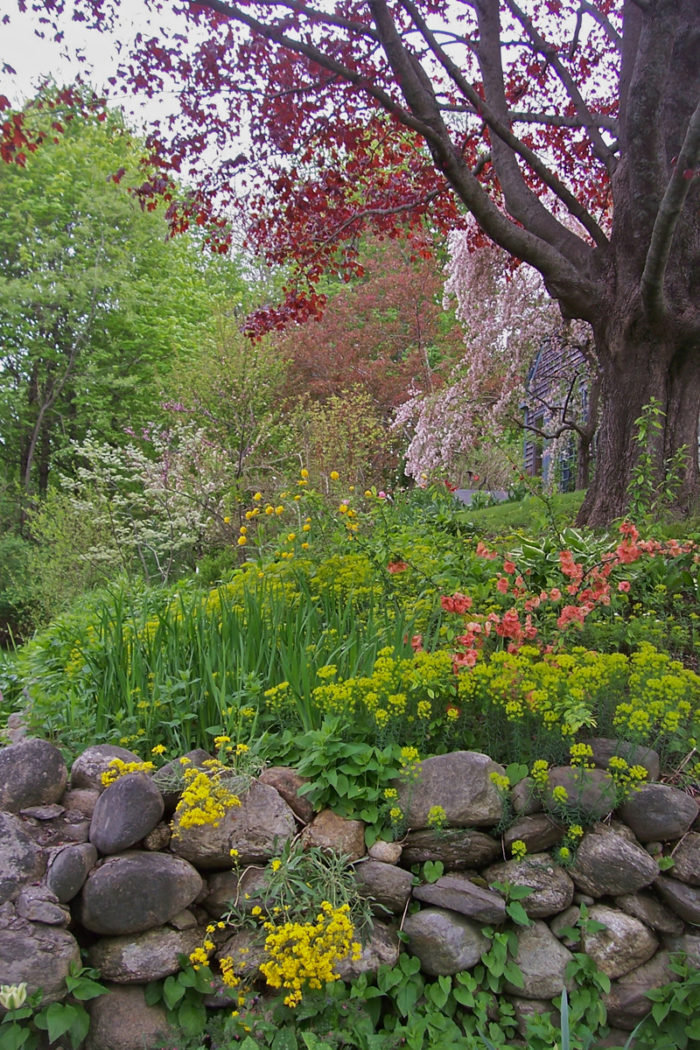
(686,170)
(586,8)
(560,120)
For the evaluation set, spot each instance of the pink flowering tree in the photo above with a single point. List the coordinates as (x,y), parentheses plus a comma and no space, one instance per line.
(507,316)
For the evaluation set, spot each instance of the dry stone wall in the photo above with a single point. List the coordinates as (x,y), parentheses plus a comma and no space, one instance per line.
(83,867)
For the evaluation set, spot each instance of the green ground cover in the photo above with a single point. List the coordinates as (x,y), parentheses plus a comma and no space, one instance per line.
(360,634)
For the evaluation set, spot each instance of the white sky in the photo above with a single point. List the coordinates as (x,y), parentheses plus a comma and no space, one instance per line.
(34,59)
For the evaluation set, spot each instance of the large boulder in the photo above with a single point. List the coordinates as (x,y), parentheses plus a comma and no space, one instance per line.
(604,748)
(143,957)
(37,953)
(457,892)
(682,899)
(68,869)
(32,773)
(608,864)
(591,793)
(21,860)
(552,889)
(444,942)
(538,831)
(659,813)
(136,891)
(125,813)
(257,829)
(122,1020)
(460,783)
(627,1001)
(455,848)
(225,888)
(87,770)
(624,944)
(651,912)
(686,859)
(542,961)
(388,886)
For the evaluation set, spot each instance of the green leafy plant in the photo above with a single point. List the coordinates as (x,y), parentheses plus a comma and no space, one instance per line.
(182,994)
(25,1019)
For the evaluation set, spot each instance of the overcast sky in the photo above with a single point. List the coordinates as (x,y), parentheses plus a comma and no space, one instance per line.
(34,59)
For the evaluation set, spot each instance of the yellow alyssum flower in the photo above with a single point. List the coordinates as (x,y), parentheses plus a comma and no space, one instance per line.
(119,768)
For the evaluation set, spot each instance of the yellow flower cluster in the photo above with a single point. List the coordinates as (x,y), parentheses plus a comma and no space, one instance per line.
(205,798)
(437,818)
(118,768)
(306,954)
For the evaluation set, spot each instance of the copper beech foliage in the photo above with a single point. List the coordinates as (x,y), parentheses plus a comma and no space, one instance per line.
(569,129)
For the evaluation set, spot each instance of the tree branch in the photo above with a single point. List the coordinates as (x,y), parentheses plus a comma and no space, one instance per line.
(599,147)
(539,220)
(586,8)
(686,170)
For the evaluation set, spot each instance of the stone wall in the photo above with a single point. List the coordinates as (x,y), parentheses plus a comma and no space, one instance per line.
(99,869)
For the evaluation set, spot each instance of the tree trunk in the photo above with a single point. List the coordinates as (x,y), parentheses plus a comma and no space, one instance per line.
(632,376)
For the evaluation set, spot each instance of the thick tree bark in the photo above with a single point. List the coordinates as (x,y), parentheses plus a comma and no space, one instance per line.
(632,377)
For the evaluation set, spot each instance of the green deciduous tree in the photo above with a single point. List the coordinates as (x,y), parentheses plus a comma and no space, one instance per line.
(97,303)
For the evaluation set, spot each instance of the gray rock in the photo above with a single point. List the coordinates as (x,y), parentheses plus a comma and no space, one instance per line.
(380,948)
(607,864)
(659,811)
(456,848)
(686,858)
(634,754)
(136,891)
(527,1008)
(39,904)
(688,944)
(258,829)
(592,793)
(444,942)
(651,912)
(87,770)
(121,1020)
(227,887)
(288,782)
(567,919)
(627,1001)
(32,773)
(68,869)
(525,799)
(538,831)
(553,890)
(339,834)
(21,860)
(542,961)
(81,800)
(458,893)
(246,951)
(458,782)
(387,885)
(125,813)
(622,946)
(39,954)
(143,957)
(682,899)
